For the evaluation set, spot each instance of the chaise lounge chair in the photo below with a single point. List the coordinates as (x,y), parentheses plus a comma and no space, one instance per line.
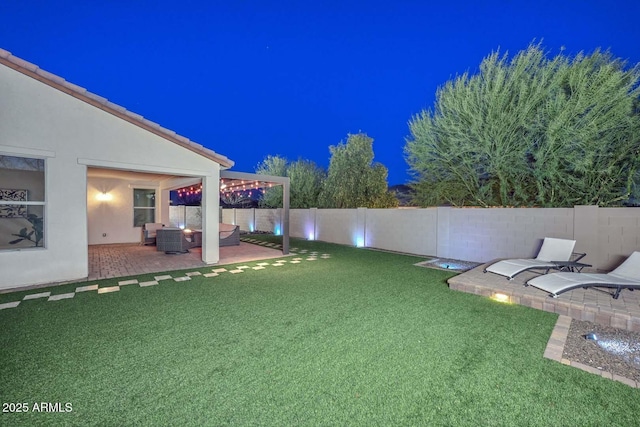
(626,276)
(552,250)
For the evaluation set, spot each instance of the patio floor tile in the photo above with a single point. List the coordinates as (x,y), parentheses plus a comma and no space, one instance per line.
(149,283)
(34,296)
(87,288)
(61,296)
(9,305)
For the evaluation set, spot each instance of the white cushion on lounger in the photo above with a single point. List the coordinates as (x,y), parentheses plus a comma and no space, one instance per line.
(552,250)
(627,275)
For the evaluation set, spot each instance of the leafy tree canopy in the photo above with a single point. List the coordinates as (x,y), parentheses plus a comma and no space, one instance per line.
(353,179)
(305,182)
(530,131)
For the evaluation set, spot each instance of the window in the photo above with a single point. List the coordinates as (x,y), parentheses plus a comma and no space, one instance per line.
(144,206)
(22,202)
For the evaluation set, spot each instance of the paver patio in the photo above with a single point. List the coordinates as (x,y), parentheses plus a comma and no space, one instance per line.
(119,260)
(580,304)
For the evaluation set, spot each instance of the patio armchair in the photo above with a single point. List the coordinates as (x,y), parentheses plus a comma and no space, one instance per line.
(552,250)
(172,241)
(626,276)
(229,234)
(149,231)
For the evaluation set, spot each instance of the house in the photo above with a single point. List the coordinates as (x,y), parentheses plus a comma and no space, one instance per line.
(77,170)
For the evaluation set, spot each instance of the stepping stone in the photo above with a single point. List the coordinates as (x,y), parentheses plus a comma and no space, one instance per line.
(34,296)
(258,268)
(87,288)
(182,279)
(312,259)
(297,259)
(149,283)
(128,282)
(219,270)
(295,262)
(263,263)
(277,265)
(243,267)
(108,289)
(194,273)
(9,305)
(210,274)
(294,249)
(61,296)
(165,277)
(236,271)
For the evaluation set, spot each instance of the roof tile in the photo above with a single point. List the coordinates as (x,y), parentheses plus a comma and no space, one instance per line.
(75,88)
(97,98)
(50,76)
(22,63)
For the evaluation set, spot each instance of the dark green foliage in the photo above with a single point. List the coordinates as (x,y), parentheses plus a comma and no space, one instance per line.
(305,182)
(533,131)
(354,180)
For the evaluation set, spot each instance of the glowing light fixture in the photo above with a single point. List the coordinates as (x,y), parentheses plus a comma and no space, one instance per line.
(500,297)
(104,197)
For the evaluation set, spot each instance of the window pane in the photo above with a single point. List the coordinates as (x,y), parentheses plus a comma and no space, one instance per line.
(25,230)
(142,216)
(21,179)
(144,198)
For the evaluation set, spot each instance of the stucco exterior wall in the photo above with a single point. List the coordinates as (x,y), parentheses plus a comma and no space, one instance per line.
(37,120)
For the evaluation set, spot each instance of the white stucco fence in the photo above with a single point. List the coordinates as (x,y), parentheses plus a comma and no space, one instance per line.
(607,235)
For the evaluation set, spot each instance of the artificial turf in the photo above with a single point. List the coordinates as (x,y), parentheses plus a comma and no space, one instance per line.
(360,338)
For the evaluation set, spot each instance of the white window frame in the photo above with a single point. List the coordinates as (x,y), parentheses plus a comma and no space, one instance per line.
(154,207)
(38,155)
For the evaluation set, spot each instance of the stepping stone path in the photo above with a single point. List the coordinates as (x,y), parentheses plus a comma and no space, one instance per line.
(310,256)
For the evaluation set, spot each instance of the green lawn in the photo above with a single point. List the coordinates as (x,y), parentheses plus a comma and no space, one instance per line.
(360,338)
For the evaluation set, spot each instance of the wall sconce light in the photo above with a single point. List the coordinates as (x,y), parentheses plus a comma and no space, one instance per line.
(104,197)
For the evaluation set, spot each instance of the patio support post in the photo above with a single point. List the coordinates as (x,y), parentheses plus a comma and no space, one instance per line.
(285,216)
(210,213)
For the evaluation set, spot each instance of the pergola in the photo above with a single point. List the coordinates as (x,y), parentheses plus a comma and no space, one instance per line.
(242,181)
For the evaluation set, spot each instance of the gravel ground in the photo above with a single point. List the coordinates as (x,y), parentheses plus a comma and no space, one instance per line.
(615,350)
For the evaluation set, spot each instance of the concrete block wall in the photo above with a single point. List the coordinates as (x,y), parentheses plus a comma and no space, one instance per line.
(269,220)
(185,217)
(478,234)
(402,230)
(607,235)
(339,226)
(618,234)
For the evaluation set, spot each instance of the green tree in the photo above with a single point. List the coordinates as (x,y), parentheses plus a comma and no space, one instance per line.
(353,179)
(531,131)
(305,177)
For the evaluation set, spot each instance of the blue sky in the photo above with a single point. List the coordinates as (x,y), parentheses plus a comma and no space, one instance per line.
(248,79)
